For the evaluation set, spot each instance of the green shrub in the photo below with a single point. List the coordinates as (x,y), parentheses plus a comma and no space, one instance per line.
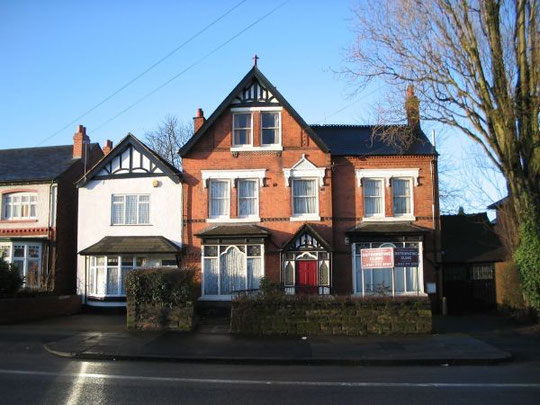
(10,279)
(162,286)
(527,258)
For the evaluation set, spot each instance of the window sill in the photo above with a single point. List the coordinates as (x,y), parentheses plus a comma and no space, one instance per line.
(18,221)
(299,218)
(131,225)
(250,148)
(215,298)
(107,298)
(407,218)
(233,220)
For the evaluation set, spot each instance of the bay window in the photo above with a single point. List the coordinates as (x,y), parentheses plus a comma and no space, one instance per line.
(401,195)
(130,209)
(26,257)
(270,128)
(386,281)
(219,201)
(19,206)
(230,269)
(373,197)
(242,129)
(305,196)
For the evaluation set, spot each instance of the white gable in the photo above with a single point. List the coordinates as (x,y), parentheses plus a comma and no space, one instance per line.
(128,161)
(304,169)
(255,92)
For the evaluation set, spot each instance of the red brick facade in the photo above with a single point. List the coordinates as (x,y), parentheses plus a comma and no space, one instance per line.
(340,198)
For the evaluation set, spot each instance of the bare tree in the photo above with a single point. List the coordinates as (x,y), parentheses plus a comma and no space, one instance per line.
(475,66)
(168,137)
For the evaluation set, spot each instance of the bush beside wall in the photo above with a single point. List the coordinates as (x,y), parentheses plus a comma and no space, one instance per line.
(297,315)
(161,299)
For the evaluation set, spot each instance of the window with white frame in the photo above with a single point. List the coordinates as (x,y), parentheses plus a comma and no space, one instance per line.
(19,206)
(373,197)
(130,209)
(219,199)
(107,274)
(270,128)
(248,200)
(305,197)
(241,129)
(26,257)
(230,269)
(386,281)
(401,196)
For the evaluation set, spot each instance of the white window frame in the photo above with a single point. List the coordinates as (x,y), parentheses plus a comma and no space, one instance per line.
(420,269)
(20,204)
(278,128)
(411,199)
(227,214)
(255,215)
(246,148)
(26,258)
(124,210)
(233,140)
(227,297)
(382,214)
(305,216)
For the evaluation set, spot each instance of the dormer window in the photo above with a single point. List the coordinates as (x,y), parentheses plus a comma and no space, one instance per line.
(19,206)
(242,129)
(270,128)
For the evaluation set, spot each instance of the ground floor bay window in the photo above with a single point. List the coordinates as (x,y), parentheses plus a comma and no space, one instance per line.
(107,274)
(393,280)
(27,258)
(231,269)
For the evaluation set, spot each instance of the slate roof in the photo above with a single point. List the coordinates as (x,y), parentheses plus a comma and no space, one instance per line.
(35,164)
(347,140)
(469,238)
(131,245)
(388,228)
(234,230)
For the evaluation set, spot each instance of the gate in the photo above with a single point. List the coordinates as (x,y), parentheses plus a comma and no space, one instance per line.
(469,288)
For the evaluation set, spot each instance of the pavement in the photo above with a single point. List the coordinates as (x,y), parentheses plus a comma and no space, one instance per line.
(103,337)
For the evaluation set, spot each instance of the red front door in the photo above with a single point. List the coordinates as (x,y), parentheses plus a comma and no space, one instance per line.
(306,276)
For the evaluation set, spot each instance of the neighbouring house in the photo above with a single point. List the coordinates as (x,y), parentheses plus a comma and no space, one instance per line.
(130,216)
(319,209)
(38,224)
(471,254)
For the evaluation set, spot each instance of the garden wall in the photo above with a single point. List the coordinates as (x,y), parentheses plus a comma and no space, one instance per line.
(330,316)
(13,310)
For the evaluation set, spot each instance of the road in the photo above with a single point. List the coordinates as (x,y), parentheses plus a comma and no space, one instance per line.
(30,375)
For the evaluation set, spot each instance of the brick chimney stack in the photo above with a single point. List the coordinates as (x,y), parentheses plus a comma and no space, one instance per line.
(108,147)
(199,119)
(412,108)
(80,139)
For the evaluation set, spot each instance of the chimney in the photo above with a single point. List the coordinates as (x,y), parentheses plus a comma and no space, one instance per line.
(412,108)
(80,139)
(199,119)
(108,147)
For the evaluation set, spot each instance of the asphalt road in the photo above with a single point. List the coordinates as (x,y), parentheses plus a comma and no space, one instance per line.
(30,375)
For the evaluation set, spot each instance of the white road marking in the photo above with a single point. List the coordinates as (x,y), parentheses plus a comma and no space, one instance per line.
(77,387)
(97,376)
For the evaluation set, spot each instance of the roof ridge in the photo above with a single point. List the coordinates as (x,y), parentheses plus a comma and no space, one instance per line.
(357,125)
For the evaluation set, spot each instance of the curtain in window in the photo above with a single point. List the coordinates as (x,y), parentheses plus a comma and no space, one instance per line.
(211,276)
(131,209)
(412,278)
(144,209)
(117,214)
(246,198)
(382,281)
(373,197)
(254,273)
(305,196)
(402,201)
(232,271)
(399,278)
(218,198)
(288,274)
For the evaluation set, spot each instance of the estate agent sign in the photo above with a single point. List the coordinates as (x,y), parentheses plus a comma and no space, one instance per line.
(383,258)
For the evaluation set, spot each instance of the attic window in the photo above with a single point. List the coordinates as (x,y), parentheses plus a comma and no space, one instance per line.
(242,129)
(270,128)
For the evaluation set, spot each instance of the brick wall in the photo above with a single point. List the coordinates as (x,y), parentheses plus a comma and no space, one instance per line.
(33,308)
(320,316)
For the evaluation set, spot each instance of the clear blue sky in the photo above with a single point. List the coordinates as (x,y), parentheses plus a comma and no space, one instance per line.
(60,58)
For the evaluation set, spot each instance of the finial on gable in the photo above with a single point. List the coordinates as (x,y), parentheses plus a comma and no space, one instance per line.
(255,59)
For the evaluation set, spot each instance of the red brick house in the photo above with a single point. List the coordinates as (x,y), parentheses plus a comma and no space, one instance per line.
(38,223)
(267,195)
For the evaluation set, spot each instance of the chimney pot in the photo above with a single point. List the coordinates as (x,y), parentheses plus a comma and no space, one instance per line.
(199,119)
(108,147)
(79,140)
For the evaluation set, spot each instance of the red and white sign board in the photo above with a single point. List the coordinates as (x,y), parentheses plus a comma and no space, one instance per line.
(379,258)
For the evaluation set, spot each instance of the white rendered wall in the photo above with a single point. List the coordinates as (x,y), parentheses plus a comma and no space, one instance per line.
(95,213)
